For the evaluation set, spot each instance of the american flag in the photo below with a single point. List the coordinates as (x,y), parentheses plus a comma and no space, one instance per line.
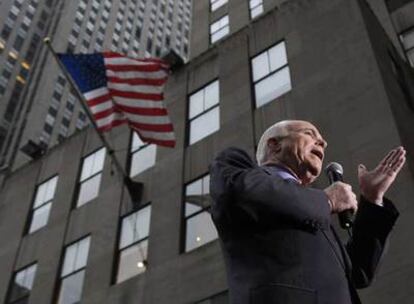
(121,90)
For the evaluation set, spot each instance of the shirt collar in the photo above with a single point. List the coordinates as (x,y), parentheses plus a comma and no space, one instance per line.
(281,172)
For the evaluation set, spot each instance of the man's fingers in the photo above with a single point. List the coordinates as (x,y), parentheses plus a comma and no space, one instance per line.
(397,161)
(388,156)
(392,158)
(399,164)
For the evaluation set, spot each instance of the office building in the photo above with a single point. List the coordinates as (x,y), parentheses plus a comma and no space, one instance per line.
(69,228)
(49,109)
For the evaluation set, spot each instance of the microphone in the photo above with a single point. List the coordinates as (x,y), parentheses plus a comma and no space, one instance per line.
(335,172)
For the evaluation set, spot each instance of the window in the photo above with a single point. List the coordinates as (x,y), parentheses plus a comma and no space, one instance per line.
(22,285)
(271,75)
(219,29)
(215,4)
(43,203)
(133,244)
(204,112)
(73,272)
(256,8)
(90,179)
(199,228)
(407,39)
(143,155)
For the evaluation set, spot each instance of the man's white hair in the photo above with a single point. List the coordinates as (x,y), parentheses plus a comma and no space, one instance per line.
(278,130)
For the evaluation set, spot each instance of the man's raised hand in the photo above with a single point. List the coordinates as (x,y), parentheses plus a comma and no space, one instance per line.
(373,184)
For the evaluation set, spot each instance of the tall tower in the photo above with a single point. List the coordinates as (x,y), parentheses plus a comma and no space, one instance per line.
(140,28)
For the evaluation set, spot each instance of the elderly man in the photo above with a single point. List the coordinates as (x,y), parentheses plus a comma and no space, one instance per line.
(276,234)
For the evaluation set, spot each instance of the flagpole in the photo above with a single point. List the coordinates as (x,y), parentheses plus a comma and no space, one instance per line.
(134,188)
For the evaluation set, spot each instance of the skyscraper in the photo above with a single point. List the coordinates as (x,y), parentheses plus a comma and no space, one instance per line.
(22,24)
(50,111)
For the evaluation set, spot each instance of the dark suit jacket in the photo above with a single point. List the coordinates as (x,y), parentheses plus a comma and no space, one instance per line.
(278,242)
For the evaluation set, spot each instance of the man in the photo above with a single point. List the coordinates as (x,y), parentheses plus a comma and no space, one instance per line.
(276,234)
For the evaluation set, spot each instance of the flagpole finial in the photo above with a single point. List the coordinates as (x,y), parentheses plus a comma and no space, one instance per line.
(46,40)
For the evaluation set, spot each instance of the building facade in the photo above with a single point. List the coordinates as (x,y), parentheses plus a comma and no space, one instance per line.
(22,24)
(50,110)
(69,228)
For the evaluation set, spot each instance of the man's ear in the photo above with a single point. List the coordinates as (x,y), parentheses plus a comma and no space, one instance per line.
(274,145)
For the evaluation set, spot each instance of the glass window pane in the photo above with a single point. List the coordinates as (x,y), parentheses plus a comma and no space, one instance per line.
(194,188)
(215,4)
(127,230)
(261,66)
(82,253)
(143,159)
(191,208)
(257,11)
(30,275)
(272,87)
(69,260)
(129,259)
(40,217)
(277,55)
(136,142)
(204,125)
(71,289)
(50,189)
(408,40)
(23,283)
(214,27)
(196,104)
(254,3)
(98,161)
(220,34)
(211,95)
(200,230)
(87,167)
(142,224)
(135,227)
(40,195)
(89,190)
(206,184)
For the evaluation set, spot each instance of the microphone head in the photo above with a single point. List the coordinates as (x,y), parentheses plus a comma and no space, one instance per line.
(334,167)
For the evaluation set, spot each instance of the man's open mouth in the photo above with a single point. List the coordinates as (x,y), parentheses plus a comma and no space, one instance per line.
(318,153)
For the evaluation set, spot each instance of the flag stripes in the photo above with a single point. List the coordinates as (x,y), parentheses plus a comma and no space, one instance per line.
(130,91)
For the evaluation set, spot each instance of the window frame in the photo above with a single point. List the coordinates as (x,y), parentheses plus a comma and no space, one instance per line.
(212,2)
(251,9)
(80,182)
(133,152)
(189,120)
(140,240)
(271,73)
(220,29)
(185,218)
(33,208)
(62,262)
(12,280)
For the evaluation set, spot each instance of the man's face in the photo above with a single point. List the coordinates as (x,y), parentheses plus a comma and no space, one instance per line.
(302,150)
